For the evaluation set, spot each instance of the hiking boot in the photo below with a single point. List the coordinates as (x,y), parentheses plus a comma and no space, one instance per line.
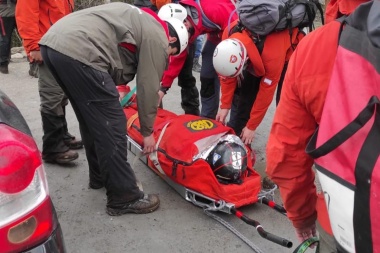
(268,184)
(196,65)
(74,144)
(147,204)
(61,158)
(71,141)
(4,69)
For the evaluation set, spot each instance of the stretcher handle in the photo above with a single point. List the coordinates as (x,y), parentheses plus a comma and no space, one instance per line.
(273,205)
(271,237)
(274,238)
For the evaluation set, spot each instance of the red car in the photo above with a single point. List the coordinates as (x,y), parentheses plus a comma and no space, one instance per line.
(28,221)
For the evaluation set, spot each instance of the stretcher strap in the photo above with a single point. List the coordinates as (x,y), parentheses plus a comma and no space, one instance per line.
(153,156)
(125,101)
(131,120)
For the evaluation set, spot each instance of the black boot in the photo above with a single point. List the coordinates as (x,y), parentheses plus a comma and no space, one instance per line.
(146,204)
(190,100)
(54,149)
(4,69)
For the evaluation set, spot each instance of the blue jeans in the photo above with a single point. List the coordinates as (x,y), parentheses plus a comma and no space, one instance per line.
(198,46)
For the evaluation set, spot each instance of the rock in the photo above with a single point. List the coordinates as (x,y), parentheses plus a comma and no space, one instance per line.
(15,50)
(17,56)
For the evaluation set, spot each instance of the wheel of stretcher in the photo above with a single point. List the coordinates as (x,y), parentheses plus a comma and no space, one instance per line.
(228,162)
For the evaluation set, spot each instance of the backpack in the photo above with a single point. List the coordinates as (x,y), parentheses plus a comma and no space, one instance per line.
(346,146)
(262,17)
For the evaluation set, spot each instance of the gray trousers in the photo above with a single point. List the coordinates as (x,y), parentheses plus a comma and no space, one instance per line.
(53,102)
(52,98)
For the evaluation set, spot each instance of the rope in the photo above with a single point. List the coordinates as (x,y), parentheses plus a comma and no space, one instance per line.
(229,226)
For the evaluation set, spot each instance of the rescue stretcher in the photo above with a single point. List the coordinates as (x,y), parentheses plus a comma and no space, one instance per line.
(183,166)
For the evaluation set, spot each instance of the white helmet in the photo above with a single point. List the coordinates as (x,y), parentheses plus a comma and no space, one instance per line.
(229,58)
(183,35)
(172,11)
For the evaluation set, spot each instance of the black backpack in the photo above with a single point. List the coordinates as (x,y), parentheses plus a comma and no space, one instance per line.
(262,17)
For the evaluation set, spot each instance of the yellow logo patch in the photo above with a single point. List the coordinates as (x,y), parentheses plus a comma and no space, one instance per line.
(199,125)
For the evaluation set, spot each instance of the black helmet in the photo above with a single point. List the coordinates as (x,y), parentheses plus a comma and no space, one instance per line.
(228,160)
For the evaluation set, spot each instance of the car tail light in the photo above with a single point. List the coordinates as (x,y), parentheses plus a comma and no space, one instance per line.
(26,211)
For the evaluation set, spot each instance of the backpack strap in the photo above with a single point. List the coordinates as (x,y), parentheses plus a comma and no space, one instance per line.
(364,116)
(229,21)
(257,39)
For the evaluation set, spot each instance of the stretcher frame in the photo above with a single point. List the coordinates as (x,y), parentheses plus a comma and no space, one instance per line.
(210,204)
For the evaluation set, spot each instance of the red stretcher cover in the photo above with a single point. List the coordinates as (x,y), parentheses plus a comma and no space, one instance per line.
(180,142)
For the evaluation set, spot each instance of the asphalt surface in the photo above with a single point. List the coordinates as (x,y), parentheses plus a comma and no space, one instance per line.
(177,226)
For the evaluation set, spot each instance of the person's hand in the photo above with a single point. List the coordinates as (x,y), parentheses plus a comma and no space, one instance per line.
(161,94)
(149,144)
(36,56)
(306,233)
(222,115)
(122,94)
(247,135)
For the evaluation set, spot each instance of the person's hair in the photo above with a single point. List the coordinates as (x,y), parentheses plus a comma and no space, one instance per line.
(173,33)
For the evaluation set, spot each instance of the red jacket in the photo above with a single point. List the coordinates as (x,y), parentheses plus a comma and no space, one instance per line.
(276,51)
(216,11)
(296,118)
(35,17)
(338,8)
